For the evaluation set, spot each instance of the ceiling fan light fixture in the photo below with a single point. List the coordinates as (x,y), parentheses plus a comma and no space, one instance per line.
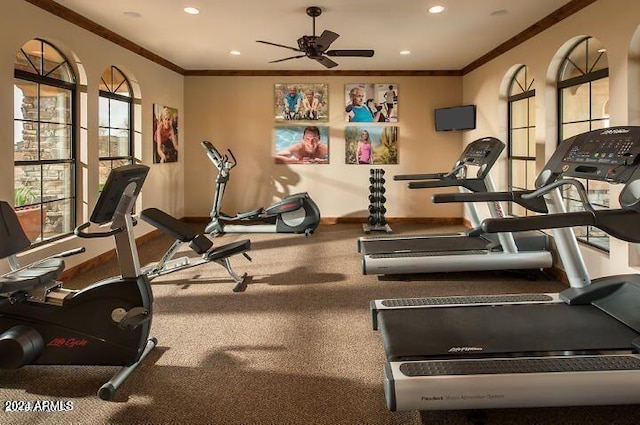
(436,9)
(191,10)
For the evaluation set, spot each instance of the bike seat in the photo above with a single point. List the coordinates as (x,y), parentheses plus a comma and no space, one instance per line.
(32,276)
(12,241)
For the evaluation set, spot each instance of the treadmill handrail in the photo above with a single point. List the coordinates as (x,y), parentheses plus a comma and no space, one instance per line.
(537,222)
(582,192)
(610,221)
(436,176)
(431,176)
(474,185)
(521,197)
(518,196)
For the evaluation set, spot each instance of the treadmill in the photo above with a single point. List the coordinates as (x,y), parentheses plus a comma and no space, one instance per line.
(473,250)
(577,347)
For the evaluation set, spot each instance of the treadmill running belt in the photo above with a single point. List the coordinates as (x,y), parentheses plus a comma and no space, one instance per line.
(420,333)
(426,244)
(521,365)
(466,299)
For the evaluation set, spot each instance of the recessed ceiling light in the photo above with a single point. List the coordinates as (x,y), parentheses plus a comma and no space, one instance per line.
(436,9)
(235,53)
(405,52)
(132,14)
(191,10)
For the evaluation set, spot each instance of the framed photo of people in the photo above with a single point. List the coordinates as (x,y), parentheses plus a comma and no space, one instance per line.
(301,144)
(301,102)
(371,145)
(165,134)
(371,102)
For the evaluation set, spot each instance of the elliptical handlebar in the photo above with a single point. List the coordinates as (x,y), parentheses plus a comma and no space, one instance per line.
(220,161)
(232,157)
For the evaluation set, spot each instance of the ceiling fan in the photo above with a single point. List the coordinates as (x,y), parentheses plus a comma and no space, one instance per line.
(315,47)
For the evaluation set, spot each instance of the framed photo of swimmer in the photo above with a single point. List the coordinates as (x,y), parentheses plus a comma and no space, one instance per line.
(301,102)
(301,144)
(371,145)
(367,102)
(165,134)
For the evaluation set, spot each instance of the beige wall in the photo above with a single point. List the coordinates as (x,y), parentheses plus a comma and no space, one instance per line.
(237,113)
(164,186)
(613,22)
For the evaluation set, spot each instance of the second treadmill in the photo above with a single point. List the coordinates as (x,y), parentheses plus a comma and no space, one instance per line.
(467,251)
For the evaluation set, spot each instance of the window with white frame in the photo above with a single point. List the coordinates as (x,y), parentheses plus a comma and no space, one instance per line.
(583,105)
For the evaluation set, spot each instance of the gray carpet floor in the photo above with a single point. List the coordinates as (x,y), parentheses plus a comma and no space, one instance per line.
(296,347)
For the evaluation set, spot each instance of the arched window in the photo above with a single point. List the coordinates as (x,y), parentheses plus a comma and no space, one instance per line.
(521,141)
(583,95)
(44,151)
(115,122)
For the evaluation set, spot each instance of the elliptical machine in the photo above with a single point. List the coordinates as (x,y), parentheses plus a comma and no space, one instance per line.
(106,323)
(297,213)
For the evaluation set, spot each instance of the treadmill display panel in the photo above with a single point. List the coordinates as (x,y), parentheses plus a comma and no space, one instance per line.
(617,146)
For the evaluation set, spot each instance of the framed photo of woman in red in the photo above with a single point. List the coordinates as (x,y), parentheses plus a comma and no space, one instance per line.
(165,134)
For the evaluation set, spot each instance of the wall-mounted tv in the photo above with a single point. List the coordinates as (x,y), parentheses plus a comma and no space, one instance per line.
(456,118)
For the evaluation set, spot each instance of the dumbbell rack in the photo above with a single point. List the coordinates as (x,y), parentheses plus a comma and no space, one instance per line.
(376,220)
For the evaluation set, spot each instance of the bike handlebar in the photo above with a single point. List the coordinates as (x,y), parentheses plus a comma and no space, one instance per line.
(79,231)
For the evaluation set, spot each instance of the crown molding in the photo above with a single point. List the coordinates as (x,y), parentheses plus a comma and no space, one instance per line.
(284,73)
(87,24)
(540,26)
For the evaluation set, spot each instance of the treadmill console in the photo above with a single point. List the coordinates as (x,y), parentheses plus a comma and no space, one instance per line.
(609,154)
(482,153)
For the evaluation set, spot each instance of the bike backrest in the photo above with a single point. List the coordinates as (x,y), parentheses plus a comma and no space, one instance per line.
(12,238)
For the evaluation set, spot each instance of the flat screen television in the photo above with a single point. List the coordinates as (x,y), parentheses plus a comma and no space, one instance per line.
(456,118)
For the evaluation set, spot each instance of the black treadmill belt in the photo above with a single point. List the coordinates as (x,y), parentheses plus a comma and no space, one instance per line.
(426,244)
(521,365)
(419,333)
(466,299)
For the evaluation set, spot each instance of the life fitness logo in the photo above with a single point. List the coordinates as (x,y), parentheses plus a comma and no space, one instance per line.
(67,342)
(616,131)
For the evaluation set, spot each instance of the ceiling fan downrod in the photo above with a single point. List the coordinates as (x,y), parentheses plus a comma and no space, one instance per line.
(314,11)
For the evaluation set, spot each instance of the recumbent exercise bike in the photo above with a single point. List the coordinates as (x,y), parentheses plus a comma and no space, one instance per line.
(104,324)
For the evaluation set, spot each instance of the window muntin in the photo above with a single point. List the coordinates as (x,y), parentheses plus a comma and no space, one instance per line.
(583,95)
(44,158)
(115,115)
(521,142)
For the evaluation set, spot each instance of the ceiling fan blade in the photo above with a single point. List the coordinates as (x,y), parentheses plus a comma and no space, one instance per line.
(325,61)
(326,38)
(355,53)
(278,45)
(286,59)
